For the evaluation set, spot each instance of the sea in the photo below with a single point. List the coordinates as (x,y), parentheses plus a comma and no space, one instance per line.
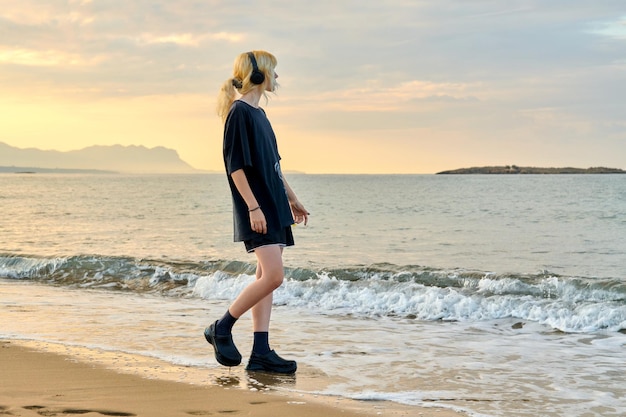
(489,295)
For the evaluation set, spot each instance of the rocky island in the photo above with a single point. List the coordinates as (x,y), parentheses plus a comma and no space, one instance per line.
(514,169)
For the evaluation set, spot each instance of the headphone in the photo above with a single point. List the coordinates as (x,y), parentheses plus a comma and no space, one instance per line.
(257,77)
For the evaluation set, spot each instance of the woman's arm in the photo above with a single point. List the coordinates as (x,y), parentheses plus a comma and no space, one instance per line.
(299,212)
(257,218)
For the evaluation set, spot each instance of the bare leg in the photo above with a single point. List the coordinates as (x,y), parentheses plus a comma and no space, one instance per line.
(262,311)
(258,295)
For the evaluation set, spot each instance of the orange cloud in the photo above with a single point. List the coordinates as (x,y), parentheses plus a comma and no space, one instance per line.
(45,58)
(189,39)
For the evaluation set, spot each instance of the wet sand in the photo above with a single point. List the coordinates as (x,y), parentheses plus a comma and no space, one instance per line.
(35,383)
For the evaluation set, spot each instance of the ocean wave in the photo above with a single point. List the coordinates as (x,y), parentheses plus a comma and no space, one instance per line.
(570,304)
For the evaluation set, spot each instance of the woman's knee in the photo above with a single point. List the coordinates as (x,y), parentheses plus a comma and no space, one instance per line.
(273,278)
(270,266)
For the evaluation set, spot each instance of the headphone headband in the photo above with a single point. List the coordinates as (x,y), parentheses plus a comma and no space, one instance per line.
(257,77)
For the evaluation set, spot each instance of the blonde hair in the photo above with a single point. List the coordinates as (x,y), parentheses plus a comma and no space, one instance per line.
(240,81)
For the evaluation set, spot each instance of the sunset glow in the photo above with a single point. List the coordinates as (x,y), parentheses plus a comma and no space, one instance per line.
(422,87)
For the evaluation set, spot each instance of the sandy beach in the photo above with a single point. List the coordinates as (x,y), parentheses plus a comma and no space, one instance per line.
(44,384)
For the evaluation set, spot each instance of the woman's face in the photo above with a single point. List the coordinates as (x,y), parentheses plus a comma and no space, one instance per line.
(270,84)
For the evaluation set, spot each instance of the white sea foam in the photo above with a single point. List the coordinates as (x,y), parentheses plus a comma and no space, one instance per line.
(566,304)
(374,298)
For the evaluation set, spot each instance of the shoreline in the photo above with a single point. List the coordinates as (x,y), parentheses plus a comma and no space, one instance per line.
(40,381)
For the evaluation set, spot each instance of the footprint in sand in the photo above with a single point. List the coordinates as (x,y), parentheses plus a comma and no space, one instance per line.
(103,412)
(209,413)
(44,411)
(4,410)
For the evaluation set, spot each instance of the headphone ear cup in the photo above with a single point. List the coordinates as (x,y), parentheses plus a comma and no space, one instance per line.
(257,77)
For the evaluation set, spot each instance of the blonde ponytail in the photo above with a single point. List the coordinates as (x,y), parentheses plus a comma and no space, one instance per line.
(225,98)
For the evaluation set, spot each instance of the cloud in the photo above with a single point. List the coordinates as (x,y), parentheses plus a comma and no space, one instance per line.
(25,13)
(45,58)
(189,39)
(615,29)
(374,96)
(185,39)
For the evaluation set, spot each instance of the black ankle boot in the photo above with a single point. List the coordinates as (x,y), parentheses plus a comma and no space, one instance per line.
(271,362)
(226,352)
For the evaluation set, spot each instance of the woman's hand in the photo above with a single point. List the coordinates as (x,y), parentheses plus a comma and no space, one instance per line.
(297,209)
(299,212)
(257,221)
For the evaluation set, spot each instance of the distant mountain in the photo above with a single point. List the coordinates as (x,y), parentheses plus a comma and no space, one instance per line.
(514,169)
(131,159)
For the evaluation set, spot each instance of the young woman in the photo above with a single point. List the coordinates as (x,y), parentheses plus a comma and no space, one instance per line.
(264,208)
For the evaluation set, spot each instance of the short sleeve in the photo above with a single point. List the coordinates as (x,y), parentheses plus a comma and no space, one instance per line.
(236,141)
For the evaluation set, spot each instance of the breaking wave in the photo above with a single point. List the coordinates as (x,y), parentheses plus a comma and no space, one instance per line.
(569,304)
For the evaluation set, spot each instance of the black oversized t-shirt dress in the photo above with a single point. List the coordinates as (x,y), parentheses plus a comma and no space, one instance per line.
(250,144)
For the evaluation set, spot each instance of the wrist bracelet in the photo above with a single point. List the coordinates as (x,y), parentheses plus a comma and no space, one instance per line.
(254,209)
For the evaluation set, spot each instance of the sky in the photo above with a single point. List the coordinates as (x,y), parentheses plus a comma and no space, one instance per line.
(385,86)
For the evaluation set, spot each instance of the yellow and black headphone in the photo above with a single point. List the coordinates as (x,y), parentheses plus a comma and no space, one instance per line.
(257,77)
